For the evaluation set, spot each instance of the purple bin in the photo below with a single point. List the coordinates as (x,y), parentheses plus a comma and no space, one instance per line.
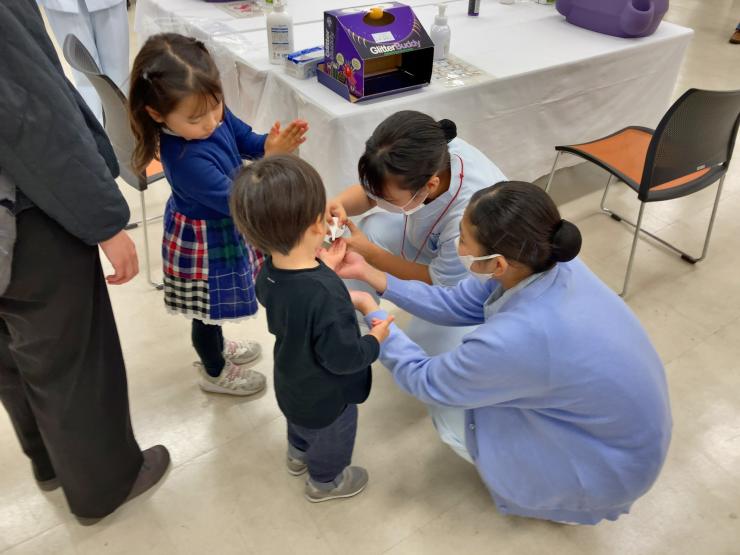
(620,18)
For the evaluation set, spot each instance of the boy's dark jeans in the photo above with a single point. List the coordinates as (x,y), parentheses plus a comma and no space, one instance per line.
(326,451)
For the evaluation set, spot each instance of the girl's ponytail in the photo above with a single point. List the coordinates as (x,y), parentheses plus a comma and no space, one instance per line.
(144,128)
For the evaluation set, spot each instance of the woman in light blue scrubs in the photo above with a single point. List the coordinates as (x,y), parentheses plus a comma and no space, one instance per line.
(422,177)
(558,397)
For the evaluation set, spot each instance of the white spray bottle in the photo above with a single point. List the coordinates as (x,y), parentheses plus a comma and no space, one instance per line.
(440,34)
(279,33)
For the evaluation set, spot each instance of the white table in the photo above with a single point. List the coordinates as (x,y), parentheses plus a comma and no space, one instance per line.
(550,82)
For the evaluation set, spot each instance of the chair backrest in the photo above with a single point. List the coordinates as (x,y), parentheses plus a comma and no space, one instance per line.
(698,132)
(115,108)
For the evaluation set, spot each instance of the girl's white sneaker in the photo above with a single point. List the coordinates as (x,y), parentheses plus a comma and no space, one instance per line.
(234,380)
(241,352)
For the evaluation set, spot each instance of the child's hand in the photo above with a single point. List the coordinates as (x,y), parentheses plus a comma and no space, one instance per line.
(352,266)
(381,328)
(287,140)
(363,302)
(334,255)
(336,208)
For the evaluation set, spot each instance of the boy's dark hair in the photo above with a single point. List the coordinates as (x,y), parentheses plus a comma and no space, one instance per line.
(275,200)
(167,69)
(409,147)
(520,221)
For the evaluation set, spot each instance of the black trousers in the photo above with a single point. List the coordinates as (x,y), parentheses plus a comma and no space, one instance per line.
(208,342)
(62,375)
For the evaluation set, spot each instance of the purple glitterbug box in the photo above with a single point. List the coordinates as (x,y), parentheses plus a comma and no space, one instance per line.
(373,51)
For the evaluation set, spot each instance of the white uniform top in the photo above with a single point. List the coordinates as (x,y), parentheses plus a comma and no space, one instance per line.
(72,6)
(471,171)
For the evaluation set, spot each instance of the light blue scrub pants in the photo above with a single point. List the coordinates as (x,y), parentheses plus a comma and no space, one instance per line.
(386,231)
(105,34)
(450,425)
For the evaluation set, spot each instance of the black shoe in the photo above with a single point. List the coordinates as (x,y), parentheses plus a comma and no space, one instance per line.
(45,476)
(155,465)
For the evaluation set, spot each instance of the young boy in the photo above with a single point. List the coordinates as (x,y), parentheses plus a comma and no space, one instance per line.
(322,363)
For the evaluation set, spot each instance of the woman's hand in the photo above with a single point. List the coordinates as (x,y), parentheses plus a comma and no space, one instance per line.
(364,302)
(334,255)
(121,252)
(381,328)
(359,242)
(287,140)
(352,265)
(335,208)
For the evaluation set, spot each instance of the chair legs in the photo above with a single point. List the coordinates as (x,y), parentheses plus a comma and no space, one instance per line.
(638,226)
(147,259)
(552,172)
(134,225)
(705,250)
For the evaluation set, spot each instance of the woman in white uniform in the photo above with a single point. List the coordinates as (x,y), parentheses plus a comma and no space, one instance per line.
(102,26)
(422,176)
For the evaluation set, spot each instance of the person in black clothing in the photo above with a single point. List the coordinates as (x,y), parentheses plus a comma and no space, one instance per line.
(322,363)
(62,374)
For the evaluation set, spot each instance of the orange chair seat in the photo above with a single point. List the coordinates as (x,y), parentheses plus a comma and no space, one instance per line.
(154,168)
(623,154)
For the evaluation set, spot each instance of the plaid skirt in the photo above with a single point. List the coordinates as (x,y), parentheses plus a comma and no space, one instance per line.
(209,270)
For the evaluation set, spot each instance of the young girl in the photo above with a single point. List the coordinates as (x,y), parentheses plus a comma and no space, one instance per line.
(178,116)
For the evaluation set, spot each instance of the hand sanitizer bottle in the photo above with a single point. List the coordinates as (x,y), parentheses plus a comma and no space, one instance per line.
(279,33)
(441,34)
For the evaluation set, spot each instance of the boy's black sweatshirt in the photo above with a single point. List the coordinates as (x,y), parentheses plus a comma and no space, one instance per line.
(322,363)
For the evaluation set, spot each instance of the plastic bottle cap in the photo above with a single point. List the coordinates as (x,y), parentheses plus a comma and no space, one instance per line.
(376,12)
(441,18)
(278,6)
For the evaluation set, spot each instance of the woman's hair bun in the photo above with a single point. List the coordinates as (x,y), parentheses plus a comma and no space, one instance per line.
(566,242)
(449,128)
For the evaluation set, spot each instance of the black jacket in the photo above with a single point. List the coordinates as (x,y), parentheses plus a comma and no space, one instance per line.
(51,145)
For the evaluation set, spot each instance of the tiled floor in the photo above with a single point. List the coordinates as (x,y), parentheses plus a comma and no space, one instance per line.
(228,491)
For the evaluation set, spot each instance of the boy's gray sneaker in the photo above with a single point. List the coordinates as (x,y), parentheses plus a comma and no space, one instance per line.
(353,481)
(296,466)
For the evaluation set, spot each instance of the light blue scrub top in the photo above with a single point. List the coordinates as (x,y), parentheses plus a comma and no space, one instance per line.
(567,410)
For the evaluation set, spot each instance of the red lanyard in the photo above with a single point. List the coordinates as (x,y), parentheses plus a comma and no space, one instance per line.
(442,215)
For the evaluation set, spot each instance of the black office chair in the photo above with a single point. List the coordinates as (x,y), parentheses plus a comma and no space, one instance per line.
(115,116)
(690,150)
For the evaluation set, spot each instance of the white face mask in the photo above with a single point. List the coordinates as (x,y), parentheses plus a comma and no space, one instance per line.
(394,209)
(468,260)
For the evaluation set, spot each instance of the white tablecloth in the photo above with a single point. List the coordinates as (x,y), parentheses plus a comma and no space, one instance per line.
(550,82)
